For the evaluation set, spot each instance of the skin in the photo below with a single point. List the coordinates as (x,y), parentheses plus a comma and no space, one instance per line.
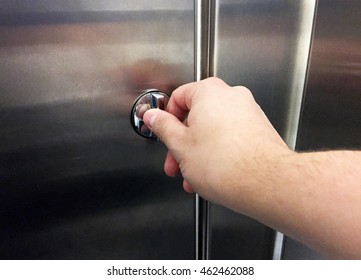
(229,153)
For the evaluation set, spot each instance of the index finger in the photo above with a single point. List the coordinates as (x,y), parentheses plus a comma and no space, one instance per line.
(180,101)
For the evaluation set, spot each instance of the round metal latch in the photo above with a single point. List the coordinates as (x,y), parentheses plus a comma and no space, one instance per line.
(150,99)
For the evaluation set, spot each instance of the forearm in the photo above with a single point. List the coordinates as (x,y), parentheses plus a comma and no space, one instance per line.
(229,153)
(316,200)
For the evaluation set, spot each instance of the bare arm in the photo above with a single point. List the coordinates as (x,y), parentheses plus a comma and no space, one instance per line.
(316,199)
(228,152)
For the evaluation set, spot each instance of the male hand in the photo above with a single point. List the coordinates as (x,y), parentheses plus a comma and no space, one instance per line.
(218,138)
(229,153)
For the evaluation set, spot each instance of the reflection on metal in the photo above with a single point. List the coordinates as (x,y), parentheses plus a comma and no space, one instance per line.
(278,246)
(299,71)
(71,6)
(202,71)
(263,45)
(151,99)
(302,50)
(203,38)
(76,181)
(331,116)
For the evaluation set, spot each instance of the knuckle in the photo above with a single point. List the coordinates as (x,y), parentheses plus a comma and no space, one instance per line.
(214,80)
(245,91)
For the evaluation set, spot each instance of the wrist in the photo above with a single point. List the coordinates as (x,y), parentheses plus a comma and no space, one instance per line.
(258,185)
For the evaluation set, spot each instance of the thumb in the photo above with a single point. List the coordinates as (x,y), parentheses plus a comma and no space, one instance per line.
(166,126)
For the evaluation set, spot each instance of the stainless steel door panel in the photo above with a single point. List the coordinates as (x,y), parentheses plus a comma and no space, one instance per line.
(74,6)
(76,181)
(263,45)
(331,115)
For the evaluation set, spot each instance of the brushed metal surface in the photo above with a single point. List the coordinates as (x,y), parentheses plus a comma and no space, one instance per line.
(331,115)
(263,45)
(202,70)
(76,181)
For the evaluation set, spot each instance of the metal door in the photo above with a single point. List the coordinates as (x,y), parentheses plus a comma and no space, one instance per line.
(331,115)
(76,181)
(263,45)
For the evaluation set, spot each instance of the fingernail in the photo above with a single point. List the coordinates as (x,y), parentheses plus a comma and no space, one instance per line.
(152,119)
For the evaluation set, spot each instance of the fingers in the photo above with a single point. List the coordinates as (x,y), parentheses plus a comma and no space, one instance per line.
(171,166)
(171,126)
(185,96)
(167,127)
(172,132)
(181,101)
(187,187)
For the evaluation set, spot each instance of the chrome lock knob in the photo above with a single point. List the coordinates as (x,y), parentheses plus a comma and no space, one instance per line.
(148,100)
